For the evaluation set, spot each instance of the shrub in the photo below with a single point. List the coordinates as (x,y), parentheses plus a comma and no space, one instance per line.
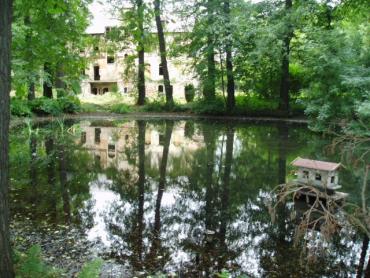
(253,103)
(19,107)
(31,265)
(46,106)
(91,269)
(189,92)
(120,108)
(69,104)
(214,107)
(55,107)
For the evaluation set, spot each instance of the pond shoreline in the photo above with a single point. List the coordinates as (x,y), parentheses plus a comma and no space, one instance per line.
(156,115)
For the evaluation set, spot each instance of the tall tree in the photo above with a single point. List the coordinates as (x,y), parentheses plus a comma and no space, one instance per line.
(141,52)
(48,37)
(47,82)
(163,52)
(229,59)
(285,83)
(6,265)
(31,82)
(209,87)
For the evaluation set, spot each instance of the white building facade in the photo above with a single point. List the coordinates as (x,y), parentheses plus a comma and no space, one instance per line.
(115,71)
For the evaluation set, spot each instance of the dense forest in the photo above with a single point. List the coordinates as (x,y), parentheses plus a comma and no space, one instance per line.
(289,57)
(277,58)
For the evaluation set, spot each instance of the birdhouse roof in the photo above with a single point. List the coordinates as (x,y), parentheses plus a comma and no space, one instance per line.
(315,164)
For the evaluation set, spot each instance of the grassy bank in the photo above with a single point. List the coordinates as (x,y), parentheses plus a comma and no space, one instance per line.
(246,106)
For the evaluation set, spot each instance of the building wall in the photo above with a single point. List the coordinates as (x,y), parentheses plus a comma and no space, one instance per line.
(326,177)
(180,74)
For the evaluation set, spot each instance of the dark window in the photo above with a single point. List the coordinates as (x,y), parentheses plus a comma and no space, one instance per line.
(332,179)
(305,174)
(111,150)
(94,91)
(318,177)
(160,89)
(126,55)
(105,90)
(97,160)
(125,90)
(161,139)
(83,137)
(96,73)
(160,69)
(110,60)
(97,135)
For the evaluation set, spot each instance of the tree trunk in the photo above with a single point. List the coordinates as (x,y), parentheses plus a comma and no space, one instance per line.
(285,83)
(209,89)
(31,91)
(141,54)
(6,264)
(229,61)
(31,83)
(163,52)
(60,85)
(47,84)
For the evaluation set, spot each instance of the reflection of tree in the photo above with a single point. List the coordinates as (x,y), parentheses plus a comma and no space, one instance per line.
(137,235)
(198,210)
(361,263)
(56,177)
(210,244)
(63,182)
(282,139)
(225,198)
(33,166)
(49,148)
(156,258)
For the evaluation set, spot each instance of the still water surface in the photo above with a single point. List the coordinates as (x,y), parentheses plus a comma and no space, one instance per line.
(188,197)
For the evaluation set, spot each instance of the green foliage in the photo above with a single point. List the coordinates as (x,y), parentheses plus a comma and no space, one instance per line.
(189,92)
(120,108)
(253,102)
(213,107)
(19,107)
(50,32)
(31,265)
(45,106)
(160,106)
(69,104)
(91,269)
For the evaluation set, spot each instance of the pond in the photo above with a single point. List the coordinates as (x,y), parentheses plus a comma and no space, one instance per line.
(180,197)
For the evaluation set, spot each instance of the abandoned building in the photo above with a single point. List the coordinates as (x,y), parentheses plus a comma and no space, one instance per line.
(109,71)
(317,173)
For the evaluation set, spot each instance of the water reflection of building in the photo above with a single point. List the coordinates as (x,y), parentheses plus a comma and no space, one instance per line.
(114,146)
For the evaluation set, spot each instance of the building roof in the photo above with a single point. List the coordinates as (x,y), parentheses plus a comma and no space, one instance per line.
(315,164)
